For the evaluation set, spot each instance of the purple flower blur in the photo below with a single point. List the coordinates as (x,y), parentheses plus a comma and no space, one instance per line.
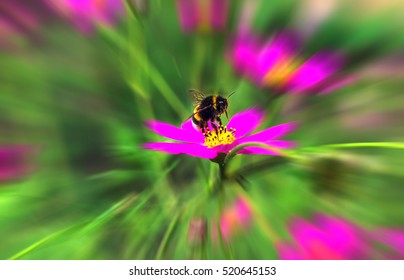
(197,230)
(15,161)
(193,142)
(202,15)
(277,64)
(236,218)
(328,237)
(85,14)
(21,21)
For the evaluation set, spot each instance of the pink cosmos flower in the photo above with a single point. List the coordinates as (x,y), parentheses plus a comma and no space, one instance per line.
(197,230)
(21,21)
(210,145)
(278,64)
(85,14)
(15,161)
(202,15)
(235,218)
(329,238)
(392,237)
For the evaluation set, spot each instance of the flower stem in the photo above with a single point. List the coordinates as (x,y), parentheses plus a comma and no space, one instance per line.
(222,176)
(221,194)
(167,236)
(389,145)
(284,153)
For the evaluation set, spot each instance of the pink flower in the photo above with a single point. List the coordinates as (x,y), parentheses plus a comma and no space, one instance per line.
(329,238)
(202,15)
(277,64)
(85,14)
(15,161)
(235,218)
(197,230)
(393,238)
(21,21)
(210,145)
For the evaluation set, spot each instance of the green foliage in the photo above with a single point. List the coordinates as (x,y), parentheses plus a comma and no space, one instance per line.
(96,193)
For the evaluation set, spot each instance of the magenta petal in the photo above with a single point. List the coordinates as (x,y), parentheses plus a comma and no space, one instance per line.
(314,71)
(16,161)
(393,238)
(218,13)
(281,144)
(270,133)
(336,84)
(244,55)
(274,51)
(194,134)
(246,121)
(258,151)
(191,149)
(343,237)
(243,211)
(175,133)
(188,12)
(289,252)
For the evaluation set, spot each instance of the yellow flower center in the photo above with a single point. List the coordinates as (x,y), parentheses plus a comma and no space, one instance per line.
(281,72)
(223,136)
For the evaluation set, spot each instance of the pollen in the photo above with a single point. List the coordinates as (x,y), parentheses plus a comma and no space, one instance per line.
(223,136)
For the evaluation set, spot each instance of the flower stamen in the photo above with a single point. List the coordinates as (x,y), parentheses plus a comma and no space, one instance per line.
(221,136)
(281,72)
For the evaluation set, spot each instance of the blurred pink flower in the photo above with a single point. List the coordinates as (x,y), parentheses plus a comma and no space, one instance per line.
(393,238)
(85,14)
(197,230)
(202,15)
(21,20)
(210,145)
(333,238)
(277,64)
(16,161)
(235,218)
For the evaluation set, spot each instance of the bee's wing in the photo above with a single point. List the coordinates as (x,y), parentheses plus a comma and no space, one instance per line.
(200,110)
(196,96)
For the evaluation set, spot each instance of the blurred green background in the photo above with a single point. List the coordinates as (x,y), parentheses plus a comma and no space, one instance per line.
(80,101)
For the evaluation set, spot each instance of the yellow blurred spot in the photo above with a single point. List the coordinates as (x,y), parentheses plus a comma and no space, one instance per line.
(280,74)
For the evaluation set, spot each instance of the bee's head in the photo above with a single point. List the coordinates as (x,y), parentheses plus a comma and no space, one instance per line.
(221,104)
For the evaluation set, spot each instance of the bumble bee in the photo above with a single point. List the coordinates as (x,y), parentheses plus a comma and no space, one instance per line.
(208,108)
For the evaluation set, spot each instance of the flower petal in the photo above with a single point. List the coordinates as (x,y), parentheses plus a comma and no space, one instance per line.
(314,70)
(194,134)
(281,144)
(270,133)
(191,149)
(244,55)
(16,161)
(258,151)
(173,132)
(188,13)
(218,14)
(290,251)
(276,50)
(246,121)
(337,83)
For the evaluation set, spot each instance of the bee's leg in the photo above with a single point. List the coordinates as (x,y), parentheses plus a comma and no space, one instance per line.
(212,122)
(219,120)
(203,125)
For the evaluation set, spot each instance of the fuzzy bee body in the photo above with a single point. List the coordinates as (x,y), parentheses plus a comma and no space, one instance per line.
(208,109)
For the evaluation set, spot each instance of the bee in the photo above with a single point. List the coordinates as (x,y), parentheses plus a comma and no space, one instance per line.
(208,108)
